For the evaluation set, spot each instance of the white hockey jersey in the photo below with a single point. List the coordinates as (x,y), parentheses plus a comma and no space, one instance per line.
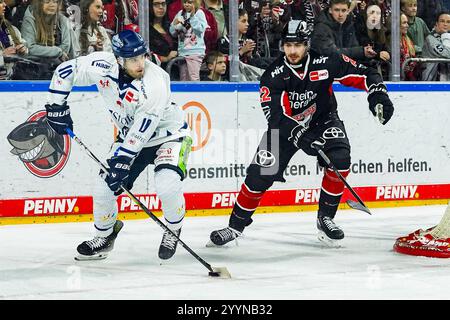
(141,110)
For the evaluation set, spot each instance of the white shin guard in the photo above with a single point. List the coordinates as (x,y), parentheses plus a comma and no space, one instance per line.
(105,208)
(169,189)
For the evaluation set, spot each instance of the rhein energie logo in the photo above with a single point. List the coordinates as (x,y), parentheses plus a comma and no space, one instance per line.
(43,152)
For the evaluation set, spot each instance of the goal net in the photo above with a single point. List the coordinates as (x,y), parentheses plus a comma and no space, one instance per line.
(433,242)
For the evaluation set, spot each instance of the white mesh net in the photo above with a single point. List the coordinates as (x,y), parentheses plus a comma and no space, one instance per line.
(442,230)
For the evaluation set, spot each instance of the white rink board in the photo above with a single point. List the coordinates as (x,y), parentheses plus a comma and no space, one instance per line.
(279,258)
(419,131)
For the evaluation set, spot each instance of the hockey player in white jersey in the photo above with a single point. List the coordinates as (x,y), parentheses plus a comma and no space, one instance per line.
(151,130)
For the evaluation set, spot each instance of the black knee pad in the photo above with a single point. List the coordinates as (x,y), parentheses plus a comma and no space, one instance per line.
(340,157)
(257,182)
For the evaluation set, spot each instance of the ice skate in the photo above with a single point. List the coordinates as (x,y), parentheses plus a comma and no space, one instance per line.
(99,247)
(329,233)
(168,244)
(223,236)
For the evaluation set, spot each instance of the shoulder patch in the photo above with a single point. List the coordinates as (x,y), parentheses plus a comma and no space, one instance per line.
(101,64)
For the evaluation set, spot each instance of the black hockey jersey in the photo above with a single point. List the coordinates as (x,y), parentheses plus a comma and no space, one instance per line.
(303,94)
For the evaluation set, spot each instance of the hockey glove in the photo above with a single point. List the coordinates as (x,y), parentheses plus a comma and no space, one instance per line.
(119,171)
(379,103)
(296,135)
(58,117)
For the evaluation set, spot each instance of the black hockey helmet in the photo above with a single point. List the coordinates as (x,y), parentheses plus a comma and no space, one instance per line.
(297,31)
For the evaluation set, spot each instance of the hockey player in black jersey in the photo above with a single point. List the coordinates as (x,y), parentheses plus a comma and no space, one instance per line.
(297,99)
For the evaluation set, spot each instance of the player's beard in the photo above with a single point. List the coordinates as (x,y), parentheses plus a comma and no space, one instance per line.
(135,74)
(294,59)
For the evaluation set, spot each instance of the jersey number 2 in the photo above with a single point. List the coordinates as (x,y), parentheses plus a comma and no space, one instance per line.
(264,91)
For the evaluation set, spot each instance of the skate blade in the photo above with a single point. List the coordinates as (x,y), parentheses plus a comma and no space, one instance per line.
(332,243)
(99,256)
(220,272)
(165,261)
(211,244)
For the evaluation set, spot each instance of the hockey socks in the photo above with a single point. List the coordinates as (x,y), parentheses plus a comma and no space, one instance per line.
(331,193)
(246,204)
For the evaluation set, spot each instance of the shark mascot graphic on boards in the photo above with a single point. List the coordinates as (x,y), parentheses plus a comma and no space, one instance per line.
(43,152)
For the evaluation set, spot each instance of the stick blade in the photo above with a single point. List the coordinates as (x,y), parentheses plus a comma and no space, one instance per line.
(358,206)
(220,272)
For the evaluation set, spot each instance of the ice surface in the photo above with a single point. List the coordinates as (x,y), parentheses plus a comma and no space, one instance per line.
(279,258)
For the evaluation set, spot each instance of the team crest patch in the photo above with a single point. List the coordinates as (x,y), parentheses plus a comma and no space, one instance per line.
(43,152)
(318,75)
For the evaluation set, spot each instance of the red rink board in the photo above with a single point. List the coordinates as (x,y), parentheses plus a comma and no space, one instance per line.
(56,206)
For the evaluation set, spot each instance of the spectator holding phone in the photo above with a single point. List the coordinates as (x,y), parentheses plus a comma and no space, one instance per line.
(189,26)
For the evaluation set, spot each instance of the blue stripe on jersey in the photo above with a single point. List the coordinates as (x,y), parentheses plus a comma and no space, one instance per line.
(65,93)
(127,152)
(113,79)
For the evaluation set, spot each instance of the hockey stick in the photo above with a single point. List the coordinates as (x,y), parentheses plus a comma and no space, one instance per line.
(221,272)
(353,204)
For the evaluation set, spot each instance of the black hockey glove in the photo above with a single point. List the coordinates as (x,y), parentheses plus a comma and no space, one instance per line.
(296,135)
(58,117)
(119,171)
(379,103)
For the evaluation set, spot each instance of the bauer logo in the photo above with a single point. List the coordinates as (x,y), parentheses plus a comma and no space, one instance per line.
(199,121)
(43,152)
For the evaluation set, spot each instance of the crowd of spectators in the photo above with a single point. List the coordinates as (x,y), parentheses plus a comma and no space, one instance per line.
(37,35)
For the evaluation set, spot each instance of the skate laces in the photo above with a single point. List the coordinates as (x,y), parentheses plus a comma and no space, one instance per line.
(169,241)
(329,223)
(228,233)
(97,242)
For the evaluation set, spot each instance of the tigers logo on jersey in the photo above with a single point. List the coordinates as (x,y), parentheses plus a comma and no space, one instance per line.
(43,152)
